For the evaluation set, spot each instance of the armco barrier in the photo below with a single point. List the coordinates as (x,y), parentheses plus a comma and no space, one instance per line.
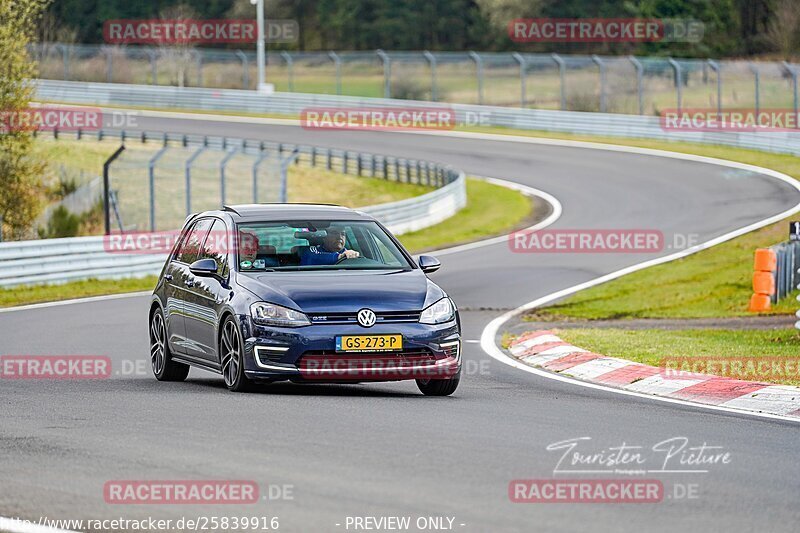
(616,125)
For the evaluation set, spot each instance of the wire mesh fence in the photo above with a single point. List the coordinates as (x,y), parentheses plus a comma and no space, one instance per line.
(161,178)
(643,85)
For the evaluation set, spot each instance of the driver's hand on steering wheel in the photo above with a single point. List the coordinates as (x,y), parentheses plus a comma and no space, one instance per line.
(349,254)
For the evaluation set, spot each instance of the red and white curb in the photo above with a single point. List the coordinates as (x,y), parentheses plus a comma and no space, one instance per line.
(545,350)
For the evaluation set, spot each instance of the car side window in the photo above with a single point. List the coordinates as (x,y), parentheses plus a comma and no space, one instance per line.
(190,249)
(216,247)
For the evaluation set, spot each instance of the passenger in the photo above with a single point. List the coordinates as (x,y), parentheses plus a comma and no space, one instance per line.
(249,258)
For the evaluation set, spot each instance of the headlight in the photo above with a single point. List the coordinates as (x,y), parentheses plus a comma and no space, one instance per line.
(274,315)
(441,311)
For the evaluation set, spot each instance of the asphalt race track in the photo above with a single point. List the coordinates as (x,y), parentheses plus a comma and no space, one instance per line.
(385,450)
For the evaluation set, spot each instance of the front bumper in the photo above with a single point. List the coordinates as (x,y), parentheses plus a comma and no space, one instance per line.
(309,353)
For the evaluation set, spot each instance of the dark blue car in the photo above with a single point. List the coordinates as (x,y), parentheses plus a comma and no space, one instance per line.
(307,293)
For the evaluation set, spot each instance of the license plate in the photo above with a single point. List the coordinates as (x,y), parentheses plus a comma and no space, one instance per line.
(369,343)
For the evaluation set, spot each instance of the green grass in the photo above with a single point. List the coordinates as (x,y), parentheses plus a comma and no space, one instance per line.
(653,346)
(491,210)
(76,289)
(712,283)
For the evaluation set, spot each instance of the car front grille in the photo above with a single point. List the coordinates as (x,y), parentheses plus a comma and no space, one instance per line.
(392,317)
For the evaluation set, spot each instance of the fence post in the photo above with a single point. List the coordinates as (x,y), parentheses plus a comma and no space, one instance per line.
(793,73)
(479,73)
(756,79)
(387,73)
(287,58)
(222,165)
(523,70)
(109,65)
(337,61)
(601,66)
(678,82)
(261,156)
(639,82)
(245,69)
(151,172)
(188,172)
(198,59)
(561,73)
(284,194)
(153,67)
(432,62)
(715,67)
(106,187)
(64,59)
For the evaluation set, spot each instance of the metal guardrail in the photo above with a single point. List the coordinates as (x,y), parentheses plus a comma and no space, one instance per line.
(63,260)
(786,270)
(609,124)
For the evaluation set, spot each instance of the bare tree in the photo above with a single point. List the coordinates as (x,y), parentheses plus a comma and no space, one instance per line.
(784,26)
(178,55)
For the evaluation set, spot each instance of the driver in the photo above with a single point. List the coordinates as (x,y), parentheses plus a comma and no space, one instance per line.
(330,252)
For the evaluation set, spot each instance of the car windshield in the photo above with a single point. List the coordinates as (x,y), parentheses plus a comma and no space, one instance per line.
(317,245)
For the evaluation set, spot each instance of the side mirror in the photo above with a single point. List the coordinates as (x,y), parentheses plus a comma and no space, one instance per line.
(429,263)
(203,267)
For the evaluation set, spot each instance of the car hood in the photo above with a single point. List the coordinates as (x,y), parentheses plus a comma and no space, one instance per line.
(342,291)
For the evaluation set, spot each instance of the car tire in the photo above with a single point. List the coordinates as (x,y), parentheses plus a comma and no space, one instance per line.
(439,387)
(164,368)
(231,350)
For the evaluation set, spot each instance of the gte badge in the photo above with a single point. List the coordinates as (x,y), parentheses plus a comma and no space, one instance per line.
(794,231)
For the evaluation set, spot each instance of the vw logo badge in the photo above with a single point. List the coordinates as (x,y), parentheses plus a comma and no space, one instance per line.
(366,317)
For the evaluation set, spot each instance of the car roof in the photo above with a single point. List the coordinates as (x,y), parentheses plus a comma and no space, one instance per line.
(267,212)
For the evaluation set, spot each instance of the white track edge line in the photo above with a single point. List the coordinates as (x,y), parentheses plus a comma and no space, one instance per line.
(89,299)
(489,334)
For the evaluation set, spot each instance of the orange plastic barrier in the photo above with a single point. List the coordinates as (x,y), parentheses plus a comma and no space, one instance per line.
(766,260)
(765,263)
